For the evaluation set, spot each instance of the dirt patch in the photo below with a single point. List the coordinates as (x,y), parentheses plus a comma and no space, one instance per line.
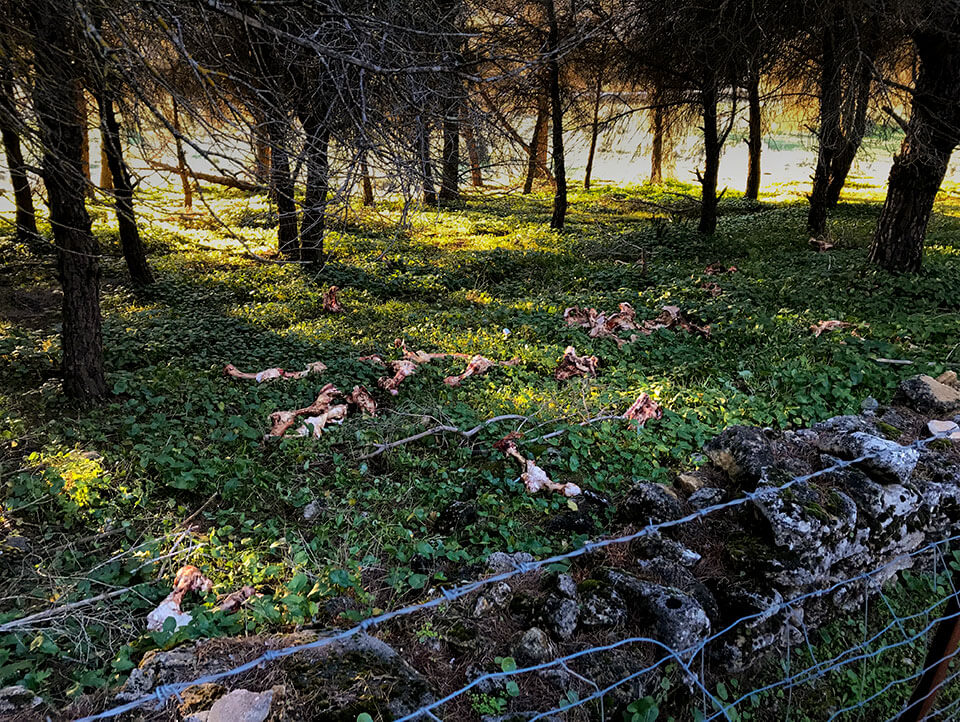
(31,308)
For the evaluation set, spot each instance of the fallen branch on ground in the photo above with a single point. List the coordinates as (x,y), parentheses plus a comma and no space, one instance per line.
(222,180)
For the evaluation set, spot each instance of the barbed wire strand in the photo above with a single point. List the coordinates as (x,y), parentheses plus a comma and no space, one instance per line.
(445,596)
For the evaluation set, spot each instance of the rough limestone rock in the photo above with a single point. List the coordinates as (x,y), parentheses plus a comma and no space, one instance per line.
(495,598)
(566,586)
(706,497)
(500,562)
(602,606)
(839,425)
(241,705)
(690,482)
(928,396)
(888,461)
(534,647)
(648,502)
(743,452)
(676,618)
(671,574)
(560,615)
(657,546)
(17,698)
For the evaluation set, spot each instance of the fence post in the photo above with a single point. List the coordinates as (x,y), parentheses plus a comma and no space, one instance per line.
(943,647)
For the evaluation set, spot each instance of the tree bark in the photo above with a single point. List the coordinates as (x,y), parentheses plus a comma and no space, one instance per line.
(473,150)
(450,172)
(313,215)
(106,177)
(918,170)
(854,129)
(183,170)
(130,242)
(755,139)
(556,120)
(828,133)
(426,165)
(26,218)
(365,180)
(537,142)
(57,104)
(656,147)
(594,131)
(84,115)
(711,170)
(287,235)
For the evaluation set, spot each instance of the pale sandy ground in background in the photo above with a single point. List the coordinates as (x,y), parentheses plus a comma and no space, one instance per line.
(787,164)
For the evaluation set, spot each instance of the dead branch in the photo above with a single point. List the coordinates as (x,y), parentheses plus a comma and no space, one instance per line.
(222,180)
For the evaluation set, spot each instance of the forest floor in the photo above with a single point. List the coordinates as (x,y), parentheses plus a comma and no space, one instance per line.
(172,469)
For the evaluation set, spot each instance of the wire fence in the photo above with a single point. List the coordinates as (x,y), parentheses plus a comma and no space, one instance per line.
(910,629)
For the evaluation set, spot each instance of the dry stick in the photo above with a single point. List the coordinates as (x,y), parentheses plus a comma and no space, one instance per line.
(380,448)
(57,611)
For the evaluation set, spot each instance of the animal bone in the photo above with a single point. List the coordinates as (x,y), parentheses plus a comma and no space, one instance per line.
(188,579)
(330,302)
(400,370)
(821,246)
(314,425)
(534,478)
(573,365)
(820,326)
(643,409)
(317,367)
(362,399)
(233,601)
(478,365)
(281,421)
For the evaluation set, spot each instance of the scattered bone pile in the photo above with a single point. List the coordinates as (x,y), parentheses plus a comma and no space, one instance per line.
(733,570)
(602,325)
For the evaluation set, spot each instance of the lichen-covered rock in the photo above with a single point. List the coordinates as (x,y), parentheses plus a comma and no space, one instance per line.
(159,667)
(17,698)
(676,618)
(706,497)
(690,482)
(602,606)
(241,705)
(496,597)
(841,425)
(743,452)
(648,502)
(887,461)
(657,546)
(560,615)
(534,647)
(926,395)
(566,586)
(671,574)
(500,562)
(200,697)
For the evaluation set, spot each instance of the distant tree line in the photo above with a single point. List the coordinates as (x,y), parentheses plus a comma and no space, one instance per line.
(431,94)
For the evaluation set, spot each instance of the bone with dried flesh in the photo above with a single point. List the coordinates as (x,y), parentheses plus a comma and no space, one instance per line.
(534,478)
(643,409)
(400,370)
(573,365)
(188,579)
(362,399)
(317,367)
(820,326)
(478,365)
(330,302)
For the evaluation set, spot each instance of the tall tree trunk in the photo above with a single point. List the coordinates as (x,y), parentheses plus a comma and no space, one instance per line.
(537,142)
(473,150)
(450,172)
(656,147)
(56,101)
(22,196)
(313,216)
(365,180)
(261,151)
(755,140)
(854,130)
(84,115)
(133,250)
(711,149)
(931,135)
(287,239)
(106,177)
(594,130)
(556,120)
(828,133)
(182,168)
(426,165)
